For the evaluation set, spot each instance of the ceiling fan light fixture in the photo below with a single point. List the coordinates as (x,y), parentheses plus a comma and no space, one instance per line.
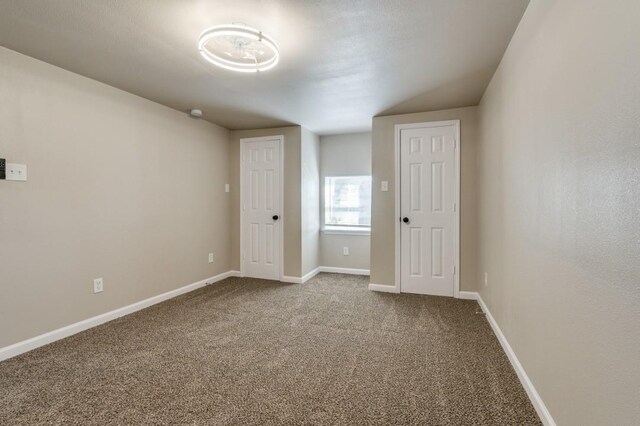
(238,47)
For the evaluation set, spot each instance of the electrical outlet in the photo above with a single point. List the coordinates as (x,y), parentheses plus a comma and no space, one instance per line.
(345,251)
(384,186)
(486,279)
(98,285)
(210,257)
(17,172)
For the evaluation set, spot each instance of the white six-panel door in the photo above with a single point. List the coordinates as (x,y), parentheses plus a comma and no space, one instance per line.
(428,180)
(260,204)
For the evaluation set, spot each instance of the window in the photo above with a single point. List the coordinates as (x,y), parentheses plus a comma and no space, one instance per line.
(347,203)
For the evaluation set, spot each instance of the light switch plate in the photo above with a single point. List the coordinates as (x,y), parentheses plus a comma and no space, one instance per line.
(384,186)
(226,187)
(16,172)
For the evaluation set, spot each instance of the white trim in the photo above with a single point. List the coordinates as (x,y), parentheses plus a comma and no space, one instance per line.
(456,214)
(347,271)
(69,330)
(280,139)
(468,295)
(310,275)
(456,226)
(536,400)
(319,269)
(383,288)
(350,231)
(396,166)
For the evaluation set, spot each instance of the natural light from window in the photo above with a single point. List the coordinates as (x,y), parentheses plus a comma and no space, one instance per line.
(347,203)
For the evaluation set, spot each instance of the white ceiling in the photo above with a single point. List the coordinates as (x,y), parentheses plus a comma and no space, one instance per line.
(342,61)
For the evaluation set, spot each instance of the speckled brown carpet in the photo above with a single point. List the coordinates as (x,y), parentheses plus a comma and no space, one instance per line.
(246,351)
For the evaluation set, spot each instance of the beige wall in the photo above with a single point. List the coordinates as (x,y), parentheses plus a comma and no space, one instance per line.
(560,206)
(383,209)
(331,246)
(344,155)
(119,187)
(310,208)
(291,217)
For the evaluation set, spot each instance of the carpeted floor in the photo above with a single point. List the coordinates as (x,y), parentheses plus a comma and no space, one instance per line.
(247,351)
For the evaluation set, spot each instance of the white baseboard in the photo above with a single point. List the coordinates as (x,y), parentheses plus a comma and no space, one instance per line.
(349,271)
(50,337)
(468,295)
(384,288)
(535,398)
(330,269)
(311,275)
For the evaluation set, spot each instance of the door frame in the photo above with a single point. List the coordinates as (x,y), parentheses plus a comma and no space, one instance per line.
(243,141)
(456,224)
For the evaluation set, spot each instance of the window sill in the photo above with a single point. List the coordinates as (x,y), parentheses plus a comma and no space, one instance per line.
(345,230)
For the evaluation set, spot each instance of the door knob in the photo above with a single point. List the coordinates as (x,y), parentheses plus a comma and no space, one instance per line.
(275,217)
(405,219)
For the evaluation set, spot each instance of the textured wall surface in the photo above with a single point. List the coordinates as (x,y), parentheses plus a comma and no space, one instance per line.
(383,208)
(119,187)
(559,156)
